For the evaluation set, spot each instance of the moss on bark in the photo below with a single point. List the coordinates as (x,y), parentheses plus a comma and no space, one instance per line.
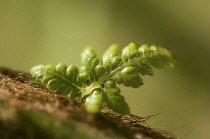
(29,110)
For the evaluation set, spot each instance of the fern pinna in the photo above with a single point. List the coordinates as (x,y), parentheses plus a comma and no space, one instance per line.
(96,81)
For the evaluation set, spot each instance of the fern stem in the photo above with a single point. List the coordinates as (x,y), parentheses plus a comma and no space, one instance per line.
(88,90)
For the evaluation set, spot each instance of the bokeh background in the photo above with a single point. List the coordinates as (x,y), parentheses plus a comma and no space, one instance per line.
(49,32)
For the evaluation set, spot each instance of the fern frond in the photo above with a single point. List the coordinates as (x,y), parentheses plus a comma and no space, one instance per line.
(96,80)
(59,78)
(138,60)
(114,100)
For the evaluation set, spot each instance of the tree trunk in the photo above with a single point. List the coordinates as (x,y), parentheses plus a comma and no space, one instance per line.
(29,110)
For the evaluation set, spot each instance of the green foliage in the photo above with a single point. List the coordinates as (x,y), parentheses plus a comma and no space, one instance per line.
(94,101)
(59,78)
(90,64)
(113,99)
(95,82)
(129,77)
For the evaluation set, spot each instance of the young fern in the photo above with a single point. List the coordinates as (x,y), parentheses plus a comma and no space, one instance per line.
(96,81)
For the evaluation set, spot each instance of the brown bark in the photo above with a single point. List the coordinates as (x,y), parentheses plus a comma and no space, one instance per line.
(29,110)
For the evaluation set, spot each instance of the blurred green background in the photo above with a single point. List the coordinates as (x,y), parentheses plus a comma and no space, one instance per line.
(49,32)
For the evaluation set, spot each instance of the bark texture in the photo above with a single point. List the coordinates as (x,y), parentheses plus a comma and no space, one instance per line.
(29,110)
